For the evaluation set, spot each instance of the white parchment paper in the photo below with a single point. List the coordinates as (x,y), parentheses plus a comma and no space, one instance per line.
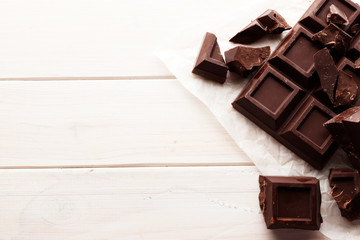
(270,157)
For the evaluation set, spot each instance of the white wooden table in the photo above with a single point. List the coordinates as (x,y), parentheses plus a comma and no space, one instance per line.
(99,141)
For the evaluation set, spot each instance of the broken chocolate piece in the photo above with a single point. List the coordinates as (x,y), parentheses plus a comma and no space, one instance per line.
(327,72)
(290,202)
(273,22)
(251,33)
(244,60)
(346,90)
(336,16)
(349,67)
(270,22)
(340,87)
(210,63)
(335,38)
(345,128)
(345,189)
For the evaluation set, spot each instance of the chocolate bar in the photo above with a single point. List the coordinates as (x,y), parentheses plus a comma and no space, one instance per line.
(270,22)
(290,202)
(244,60)
(345,128)
(284,98)
(210,63)
(345,189)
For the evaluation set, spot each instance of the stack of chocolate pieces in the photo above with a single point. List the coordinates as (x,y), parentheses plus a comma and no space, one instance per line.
(242,60)
(301,87)
(305,95)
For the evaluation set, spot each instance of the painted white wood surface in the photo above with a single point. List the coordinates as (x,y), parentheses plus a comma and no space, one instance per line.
(114,125)
(111,38)
(134,203)
(109,123)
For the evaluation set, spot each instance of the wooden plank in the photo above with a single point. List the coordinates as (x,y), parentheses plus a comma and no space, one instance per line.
(134,203)
(109,123)
(111,38)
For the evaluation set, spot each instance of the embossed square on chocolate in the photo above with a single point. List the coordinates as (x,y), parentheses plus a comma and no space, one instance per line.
(306,131)
(295,57)
(315,19)
(273,96)
(290,202)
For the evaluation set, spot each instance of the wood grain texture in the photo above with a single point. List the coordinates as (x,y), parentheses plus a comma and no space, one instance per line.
(110,38)
(109,123)
(134,203)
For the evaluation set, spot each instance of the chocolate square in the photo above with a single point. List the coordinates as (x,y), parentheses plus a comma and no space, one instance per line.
(315,18)
(290,202)
(295,58)
(306,131)
(273,96)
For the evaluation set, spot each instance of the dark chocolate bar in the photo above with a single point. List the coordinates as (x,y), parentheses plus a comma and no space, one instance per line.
(210,63)
(285,99)
(345,189)
(290,202)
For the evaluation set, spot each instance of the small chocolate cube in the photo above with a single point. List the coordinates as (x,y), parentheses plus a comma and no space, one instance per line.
(290,202)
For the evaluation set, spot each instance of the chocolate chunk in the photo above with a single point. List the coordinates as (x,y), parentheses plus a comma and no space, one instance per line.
(345,189)
(346,90)
(336,16)
(349,67)
(290,202)
(327,72)
(270,22)
(210,63)
(251,33)
(273,22)
(335,38)
(345,128)
(244,60)
(338,85)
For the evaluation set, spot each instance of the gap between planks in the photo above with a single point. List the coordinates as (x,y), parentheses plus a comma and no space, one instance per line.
(136,165)
(168,77)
